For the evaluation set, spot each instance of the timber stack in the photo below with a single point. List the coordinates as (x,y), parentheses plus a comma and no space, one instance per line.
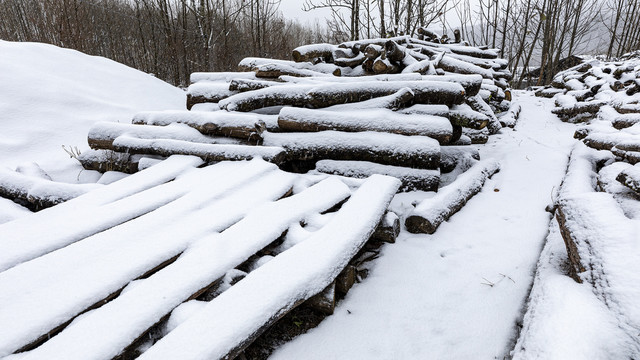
(403,106)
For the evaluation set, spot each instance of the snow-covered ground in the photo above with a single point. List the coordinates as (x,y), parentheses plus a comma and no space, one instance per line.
(460,293)
(50,97)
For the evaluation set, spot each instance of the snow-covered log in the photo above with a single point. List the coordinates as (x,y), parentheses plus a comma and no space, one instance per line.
(606,141)
(430,213)
(460,115)
(318,261)
(220,123)
(630,178)
(208,152)
(291,95)
(412,179)
(109,160)
(325,301)
(476,136)
(252,64)
(313,51)
(243,85)
(625,120)
(579,112)
(38,193)
(206,91)
(273,71)
(221,76)
(400,99)
(102,134)
(510,118)
(419,152)
(425,92)
(462,157)
(478,104)
(471,83)
(379,120)
(453,65)
(388,229)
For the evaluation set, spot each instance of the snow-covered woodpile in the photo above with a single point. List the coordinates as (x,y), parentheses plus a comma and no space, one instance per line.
(88,291)
(405,107)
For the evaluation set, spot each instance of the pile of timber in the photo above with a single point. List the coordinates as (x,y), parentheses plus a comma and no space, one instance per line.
(334,109)
(219,239)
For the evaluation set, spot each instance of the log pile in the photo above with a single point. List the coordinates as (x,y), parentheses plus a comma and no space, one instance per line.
(387,106)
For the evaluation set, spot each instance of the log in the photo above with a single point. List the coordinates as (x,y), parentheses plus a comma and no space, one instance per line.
(628,108)
(325,301)
(630,178)
(221,76)
(471,83)
(273,71)
(384,66)
(625,120)
(412,179)
(459,115)
(252,64)
(394,52)
(244,85)
(379,120)
(205,91)
(388,229)
(346,279)
(510,117)
(476,136)
(102,134)
(575,113)
(372,51)
(457,156)
(606,141)
(291,95)
(430,213)
(477,103)
(351,62)
(208,152)
(630,156)
(218,123)
(310,52)
(400,99)
(108,160)
(38,193)
(425,92)
(451,64)
(427,33)
(418,152)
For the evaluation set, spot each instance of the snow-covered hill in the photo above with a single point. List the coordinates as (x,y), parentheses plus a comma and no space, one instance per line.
(50,96)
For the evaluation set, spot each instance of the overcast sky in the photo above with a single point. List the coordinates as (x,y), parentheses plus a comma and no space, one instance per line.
(292,9)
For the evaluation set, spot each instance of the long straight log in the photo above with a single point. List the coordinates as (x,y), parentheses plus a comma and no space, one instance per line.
(244,85)
(412,179)
(206,91)
(219,123)
(313,51)
(291,95)
(470,82)
(425,92)
(400,99)
(308,120)
(459,115)
(430,213)
(418,152)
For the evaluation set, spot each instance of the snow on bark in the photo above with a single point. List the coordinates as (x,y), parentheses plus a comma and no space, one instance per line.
(307,120)
(40,295)
(206,261)
(244,311)
(391,149)
(412,179)
(430,213)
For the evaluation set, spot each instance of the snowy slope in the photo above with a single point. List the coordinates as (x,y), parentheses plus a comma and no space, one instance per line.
(50,96)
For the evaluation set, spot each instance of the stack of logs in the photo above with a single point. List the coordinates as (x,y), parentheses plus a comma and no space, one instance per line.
(405,107)
(607,96)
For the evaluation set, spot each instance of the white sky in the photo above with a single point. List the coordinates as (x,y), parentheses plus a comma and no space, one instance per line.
(292,9)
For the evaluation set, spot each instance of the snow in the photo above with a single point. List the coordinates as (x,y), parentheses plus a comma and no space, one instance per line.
(102,333)
(425,297)
(204,119)
(221,76)
(37,189)
(263,294)
(131,195)
(51,97)
(380,120)
(211,89)
(462,67)
(43,293)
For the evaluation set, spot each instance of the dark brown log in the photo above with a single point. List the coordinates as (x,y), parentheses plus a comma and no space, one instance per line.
(572,250)
(394,52)
(428,34)
(388,229)
(479,105)
(457,36)
(476,136)
(372,51)
(351,62)
(574,113)
(625,121)
(107,160)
